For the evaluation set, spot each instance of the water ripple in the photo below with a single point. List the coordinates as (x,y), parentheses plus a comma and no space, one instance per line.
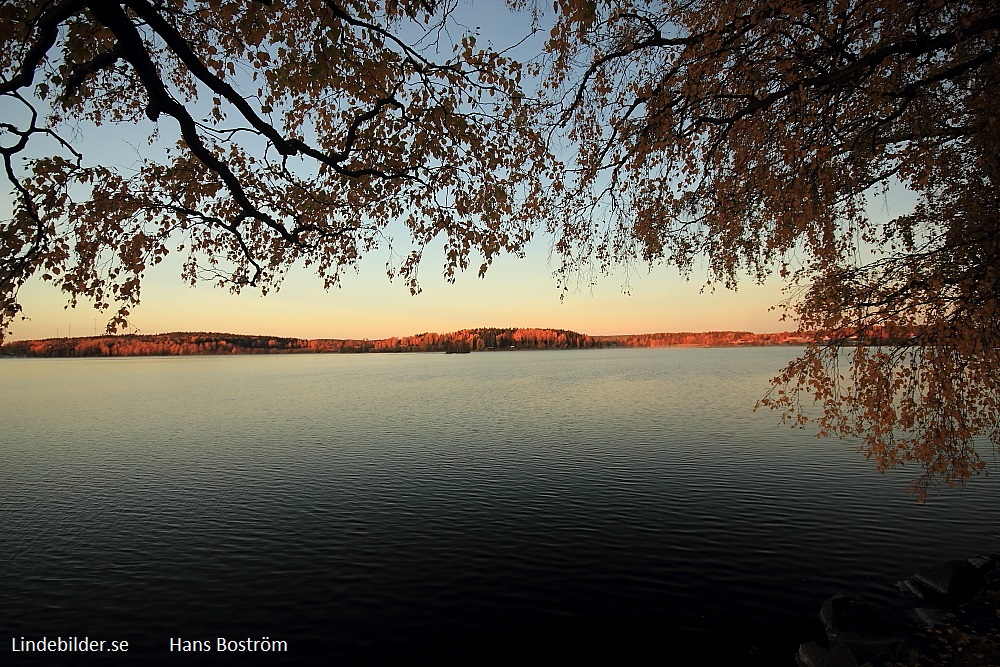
(364,507)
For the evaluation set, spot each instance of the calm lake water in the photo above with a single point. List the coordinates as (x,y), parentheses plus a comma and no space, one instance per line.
(420,508)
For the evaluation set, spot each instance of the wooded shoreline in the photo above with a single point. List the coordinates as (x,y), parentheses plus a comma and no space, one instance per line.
(465,340)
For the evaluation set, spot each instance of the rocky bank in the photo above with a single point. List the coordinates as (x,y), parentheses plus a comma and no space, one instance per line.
(946,615)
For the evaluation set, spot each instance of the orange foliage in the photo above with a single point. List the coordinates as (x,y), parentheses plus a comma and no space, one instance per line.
(472,340)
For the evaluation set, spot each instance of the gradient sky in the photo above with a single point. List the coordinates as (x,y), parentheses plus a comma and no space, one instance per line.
(515,292)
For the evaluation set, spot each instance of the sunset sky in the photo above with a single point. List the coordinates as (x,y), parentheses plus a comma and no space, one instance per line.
(513,293)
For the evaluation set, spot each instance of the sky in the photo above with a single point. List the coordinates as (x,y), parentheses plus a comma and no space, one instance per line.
(514,292)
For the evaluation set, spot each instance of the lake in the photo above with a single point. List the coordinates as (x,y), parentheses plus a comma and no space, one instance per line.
(428,508)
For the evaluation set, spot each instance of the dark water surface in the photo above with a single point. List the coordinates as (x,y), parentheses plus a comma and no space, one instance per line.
(408,509)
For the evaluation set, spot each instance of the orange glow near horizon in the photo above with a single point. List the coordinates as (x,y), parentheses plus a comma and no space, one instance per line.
(514,293)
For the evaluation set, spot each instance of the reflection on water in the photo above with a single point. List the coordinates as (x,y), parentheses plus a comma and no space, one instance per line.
(427,507)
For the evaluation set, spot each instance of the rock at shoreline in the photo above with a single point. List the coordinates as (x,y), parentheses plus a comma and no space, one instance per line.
(955,581)
(861,626)
(952,603)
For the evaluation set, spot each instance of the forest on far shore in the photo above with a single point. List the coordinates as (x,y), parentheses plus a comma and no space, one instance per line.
(466,340)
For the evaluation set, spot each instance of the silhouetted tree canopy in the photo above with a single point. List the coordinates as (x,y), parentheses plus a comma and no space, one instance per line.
(283,133)
(756,137)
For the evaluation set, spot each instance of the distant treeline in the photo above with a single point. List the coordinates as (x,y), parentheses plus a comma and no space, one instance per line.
(466,340)
(703,339)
